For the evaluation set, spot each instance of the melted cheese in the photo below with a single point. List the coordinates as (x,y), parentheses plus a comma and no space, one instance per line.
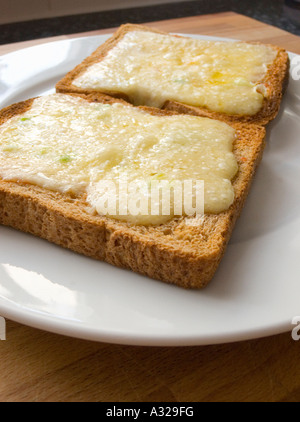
(152,68)
(67,144)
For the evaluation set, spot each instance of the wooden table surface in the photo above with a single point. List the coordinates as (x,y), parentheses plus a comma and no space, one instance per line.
(40,366)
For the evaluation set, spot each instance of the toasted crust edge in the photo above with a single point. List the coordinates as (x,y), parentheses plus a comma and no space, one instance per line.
(277,77)
(62,220)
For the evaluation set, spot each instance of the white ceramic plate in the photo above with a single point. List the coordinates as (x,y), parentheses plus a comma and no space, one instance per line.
(255,293)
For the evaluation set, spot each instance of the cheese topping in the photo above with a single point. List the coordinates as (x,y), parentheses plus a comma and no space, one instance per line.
(67,144)
(152,68)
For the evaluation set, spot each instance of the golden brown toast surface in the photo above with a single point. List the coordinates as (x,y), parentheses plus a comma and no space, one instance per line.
(276,78)
(176,252)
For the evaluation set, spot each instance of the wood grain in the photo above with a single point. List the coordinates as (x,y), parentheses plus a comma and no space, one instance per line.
(39,366)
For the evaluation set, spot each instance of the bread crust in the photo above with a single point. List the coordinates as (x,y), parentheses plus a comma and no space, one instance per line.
(277,78)
(176,253)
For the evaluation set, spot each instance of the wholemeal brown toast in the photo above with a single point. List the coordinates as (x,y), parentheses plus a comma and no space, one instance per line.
(175,252)
(274,82)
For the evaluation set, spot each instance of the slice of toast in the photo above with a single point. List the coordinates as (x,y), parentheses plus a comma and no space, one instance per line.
(274,82)
(175,252)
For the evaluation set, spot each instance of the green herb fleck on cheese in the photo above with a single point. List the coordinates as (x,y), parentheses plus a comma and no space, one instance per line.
(65,159)
(181,81)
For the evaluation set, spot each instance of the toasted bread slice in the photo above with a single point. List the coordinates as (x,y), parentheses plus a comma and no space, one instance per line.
(274,82)
(175,252)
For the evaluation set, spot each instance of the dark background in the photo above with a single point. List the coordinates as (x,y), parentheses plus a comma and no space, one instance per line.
(268,11)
